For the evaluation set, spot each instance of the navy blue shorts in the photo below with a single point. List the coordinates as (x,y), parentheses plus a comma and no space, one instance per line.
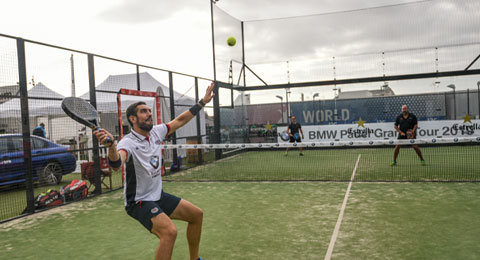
(144,211)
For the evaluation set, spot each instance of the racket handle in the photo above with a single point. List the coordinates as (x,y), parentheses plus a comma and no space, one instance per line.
(108,140)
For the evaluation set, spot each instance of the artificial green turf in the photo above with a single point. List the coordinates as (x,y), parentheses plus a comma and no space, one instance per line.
(268,220)
(411,221)
(451,163)
(241,221)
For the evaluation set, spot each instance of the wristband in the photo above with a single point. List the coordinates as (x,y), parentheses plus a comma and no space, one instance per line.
(201,102)
(115,164)
(195,109)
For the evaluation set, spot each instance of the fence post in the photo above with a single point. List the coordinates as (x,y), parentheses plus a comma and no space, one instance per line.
(138,78)
(199,130)
(172,116)
(93,101)
(216,122)
(27,151)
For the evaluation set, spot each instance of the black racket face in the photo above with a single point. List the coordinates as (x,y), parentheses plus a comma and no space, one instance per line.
(80,110)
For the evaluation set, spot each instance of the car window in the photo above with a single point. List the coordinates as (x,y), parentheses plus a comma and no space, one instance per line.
(39,144)
(3,145)
(17,144)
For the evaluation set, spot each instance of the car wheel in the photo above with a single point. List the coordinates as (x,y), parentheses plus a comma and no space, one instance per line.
(51,174)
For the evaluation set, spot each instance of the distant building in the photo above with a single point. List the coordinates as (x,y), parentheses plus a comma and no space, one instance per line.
(383,92)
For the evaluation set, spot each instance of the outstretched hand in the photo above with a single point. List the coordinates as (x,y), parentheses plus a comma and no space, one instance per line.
(209,95)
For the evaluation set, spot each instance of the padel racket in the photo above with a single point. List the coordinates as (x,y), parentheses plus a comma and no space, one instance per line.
(82,112)
(297,136)
(410,134)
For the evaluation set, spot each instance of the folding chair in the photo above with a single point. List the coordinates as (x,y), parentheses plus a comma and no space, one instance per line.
(88,173)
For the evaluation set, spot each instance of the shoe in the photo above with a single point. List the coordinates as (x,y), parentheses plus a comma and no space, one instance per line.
(393,163)
(301,154)
(422,162)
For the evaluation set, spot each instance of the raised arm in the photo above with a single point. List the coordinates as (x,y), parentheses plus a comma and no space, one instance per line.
(186,116)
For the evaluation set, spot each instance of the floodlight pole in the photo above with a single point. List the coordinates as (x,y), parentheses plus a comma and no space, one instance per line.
(335,102)
(313,105)
(287,91)
(281,107)
(452,86)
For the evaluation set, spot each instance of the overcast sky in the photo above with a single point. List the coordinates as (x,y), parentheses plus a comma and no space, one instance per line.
(176,35)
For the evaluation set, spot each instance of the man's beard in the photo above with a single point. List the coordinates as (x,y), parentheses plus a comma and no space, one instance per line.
(145,126)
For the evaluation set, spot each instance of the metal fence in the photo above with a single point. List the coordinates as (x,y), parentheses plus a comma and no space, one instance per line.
(34,79)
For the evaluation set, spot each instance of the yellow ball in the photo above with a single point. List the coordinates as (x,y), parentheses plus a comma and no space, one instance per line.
(231,41)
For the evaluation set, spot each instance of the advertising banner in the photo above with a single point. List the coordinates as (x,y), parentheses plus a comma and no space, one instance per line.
(384,131)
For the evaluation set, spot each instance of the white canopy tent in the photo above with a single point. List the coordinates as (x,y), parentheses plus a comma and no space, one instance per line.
(49,111)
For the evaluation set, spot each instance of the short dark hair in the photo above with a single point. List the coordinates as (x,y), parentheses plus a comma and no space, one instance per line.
(42,125)
(132,110)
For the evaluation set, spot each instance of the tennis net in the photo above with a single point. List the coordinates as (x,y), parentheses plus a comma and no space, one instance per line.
(454,159)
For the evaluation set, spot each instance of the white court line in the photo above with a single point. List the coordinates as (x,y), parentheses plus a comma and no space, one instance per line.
(340,216)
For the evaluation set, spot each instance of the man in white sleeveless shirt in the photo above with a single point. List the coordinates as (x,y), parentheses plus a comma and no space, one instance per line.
(144,197)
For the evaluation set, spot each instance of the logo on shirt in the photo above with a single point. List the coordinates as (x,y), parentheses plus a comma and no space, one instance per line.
(154,161)
(154,210)
(157,142)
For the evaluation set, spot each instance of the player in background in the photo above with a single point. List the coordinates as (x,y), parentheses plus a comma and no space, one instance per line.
(293,130)
(406,125)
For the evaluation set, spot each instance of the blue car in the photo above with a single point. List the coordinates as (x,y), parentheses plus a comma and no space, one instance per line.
(50,161)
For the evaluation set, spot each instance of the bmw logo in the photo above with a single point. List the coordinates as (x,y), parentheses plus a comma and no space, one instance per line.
(332,143)
(390,142)
(226,146)
(243,145)
(412,141)
(313,144)
(259,145)
(434,140)
(350,143)
(277,145)
(455,140)
(195,146)
(370,143)
(478,139)
(294,144)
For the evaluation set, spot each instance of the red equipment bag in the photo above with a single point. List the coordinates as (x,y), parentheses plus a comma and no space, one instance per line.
(76,190)
(48,199)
